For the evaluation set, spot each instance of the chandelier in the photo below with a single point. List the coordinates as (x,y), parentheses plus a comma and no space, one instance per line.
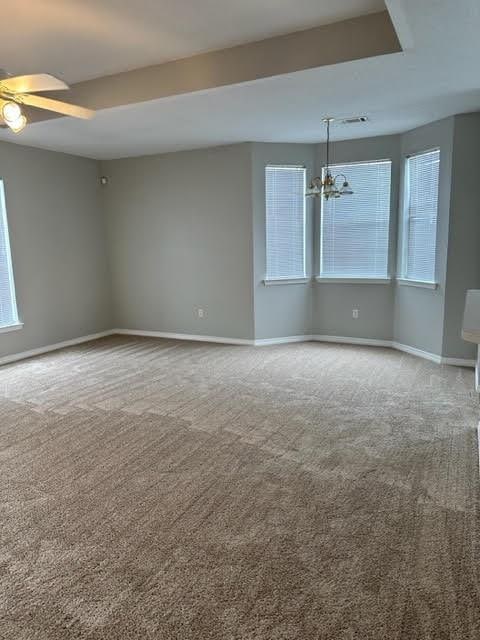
(328,185)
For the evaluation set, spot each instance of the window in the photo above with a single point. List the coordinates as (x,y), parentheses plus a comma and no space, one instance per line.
(8,305)
(285,214)
(420,216)
(355,228)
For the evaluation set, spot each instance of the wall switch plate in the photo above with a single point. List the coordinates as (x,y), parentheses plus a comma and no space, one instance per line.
(355,314)
(201,313)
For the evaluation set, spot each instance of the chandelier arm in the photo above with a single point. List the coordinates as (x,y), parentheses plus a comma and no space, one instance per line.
(338,176)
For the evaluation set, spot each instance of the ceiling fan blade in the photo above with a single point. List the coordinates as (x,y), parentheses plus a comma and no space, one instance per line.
(33,83)
(64,108)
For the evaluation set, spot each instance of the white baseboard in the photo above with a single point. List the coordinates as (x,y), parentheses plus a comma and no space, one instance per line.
(14,357)
(434,357)
(459,362)
(426,355)
(369,342)
(318,338)
(264,342)
(183,336)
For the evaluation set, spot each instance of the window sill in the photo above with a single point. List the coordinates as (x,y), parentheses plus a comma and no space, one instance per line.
(269,283)
(327,280)
(417,283)
(11,327)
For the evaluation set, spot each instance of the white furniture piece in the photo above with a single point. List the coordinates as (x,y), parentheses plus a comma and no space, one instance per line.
(471,326)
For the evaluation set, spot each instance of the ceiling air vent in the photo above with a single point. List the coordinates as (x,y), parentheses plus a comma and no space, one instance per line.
(355,120)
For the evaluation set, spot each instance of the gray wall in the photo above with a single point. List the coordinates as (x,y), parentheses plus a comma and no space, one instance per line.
(333,303)
(57,237)
(463,262)
(280,310)
(180,238)
(174,249)
(186,230)
(418,315)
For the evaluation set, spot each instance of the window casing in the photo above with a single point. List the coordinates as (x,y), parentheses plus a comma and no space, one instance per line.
(8,303)
(354,233)
(420,216)
(285,222)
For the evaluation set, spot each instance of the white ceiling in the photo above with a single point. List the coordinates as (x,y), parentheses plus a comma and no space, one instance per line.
(436,78)
(82,39)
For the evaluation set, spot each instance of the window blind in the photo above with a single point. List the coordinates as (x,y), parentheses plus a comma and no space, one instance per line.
(355,228)
(8,306)
(421,198)
(285,220)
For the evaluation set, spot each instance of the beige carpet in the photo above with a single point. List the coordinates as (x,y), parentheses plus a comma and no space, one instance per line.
(171,490)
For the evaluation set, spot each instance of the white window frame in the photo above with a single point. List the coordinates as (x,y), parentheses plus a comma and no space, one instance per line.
(328,279)
(288,279)
(16,324)
(402,279)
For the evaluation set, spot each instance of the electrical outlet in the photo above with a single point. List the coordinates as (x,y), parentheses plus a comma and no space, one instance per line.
(201,313)
(355,314)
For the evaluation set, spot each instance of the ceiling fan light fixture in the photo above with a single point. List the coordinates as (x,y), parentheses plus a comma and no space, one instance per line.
(17,91)
(11,112)
(18,125)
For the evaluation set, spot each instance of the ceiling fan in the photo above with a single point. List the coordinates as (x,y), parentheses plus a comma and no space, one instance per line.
(18,91)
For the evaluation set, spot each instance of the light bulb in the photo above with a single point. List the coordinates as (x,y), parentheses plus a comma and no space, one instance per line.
(11,112)
(17,125)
